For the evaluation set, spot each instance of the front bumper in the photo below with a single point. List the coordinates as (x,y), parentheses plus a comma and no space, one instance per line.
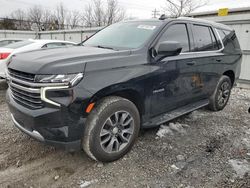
(61,127)
(33,133)
(68,146)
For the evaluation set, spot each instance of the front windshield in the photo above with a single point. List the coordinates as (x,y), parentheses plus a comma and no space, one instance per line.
(126,35)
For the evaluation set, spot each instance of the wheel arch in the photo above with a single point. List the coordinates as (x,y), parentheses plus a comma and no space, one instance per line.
(231,75)
(131,94)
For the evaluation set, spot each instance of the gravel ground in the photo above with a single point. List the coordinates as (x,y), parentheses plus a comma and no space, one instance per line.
(202,149)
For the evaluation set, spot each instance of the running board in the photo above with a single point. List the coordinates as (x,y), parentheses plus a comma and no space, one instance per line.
(163,118)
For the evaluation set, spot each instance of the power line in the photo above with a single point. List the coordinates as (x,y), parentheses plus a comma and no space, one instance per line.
(155,13)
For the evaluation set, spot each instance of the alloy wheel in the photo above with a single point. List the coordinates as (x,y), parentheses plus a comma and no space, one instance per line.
(116,132)
(224,93)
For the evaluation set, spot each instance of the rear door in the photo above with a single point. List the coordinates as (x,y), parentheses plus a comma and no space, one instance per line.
(207,49)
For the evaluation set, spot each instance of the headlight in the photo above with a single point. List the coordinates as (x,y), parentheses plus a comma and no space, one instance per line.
(69,79)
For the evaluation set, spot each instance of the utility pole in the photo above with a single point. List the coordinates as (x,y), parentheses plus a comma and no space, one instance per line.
(155,13)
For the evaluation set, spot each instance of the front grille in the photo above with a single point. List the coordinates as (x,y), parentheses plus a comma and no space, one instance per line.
(21,75)
(24,90)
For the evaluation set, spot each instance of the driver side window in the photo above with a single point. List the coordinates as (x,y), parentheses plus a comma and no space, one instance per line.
(178,33)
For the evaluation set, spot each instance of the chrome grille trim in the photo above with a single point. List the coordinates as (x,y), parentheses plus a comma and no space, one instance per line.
(31,90)
(27,104)
(24,93)
(28,99)
(23,90)
(21,75)
(30,93)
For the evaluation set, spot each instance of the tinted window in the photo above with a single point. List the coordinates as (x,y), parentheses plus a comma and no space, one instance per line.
(4,43)
(19,44)
(214,41)
(54,45)
(222,34)
(204,38)
(178,33)
(57,45)
(69,44)
(229,39)
(124,35)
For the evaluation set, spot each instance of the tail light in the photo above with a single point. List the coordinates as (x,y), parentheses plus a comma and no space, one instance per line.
(4,55)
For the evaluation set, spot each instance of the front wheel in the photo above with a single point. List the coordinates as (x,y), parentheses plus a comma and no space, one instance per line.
(221,95)
(111,129)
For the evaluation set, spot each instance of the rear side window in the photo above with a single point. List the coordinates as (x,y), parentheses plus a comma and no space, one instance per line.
(19,44)
(69,44)
(54,45)
(178,33)
(222,34)
(229,39)
(204,38)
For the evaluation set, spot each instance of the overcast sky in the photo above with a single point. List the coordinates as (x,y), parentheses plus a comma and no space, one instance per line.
(134,8)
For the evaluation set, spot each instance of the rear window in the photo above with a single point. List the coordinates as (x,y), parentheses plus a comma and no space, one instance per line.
(19,44)
(204,38)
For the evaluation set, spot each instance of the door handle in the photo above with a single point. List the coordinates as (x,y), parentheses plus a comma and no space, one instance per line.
(191,63)
(218,60)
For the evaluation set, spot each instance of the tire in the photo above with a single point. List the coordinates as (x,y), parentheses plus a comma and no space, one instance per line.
(104,123)
(221,95)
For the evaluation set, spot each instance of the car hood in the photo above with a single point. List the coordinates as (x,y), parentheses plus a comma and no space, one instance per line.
(61,60)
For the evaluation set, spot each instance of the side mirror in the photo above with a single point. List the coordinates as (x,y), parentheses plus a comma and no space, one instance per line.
(169,48)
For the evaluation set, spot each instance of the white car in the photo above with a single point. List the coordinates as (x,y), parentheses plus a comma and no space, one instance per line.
(25,46)
(6,41)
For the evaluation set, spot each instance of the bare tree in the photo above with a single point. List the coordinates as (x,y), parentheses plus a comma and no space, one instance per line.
(7,23)
(177,8)
(35,15)
(20,19)
(73,19)
(98,12)
(47,19)
(87,16)
(61,14)
(114,13)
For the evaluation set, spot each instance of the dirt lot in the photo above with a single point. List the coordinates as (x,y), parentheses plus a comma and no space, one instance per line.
(203,149)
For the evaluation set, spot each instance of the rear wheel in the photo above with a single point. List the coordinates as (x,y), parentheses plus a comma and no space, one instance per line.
(111,129)
(221,95)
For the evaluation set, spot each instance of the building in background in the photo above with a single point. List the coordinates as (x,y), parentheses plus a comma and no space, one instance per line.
(239,20)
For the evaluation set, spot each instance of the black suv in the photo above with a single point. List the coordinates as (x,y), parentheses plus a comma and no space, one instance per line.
(130,75)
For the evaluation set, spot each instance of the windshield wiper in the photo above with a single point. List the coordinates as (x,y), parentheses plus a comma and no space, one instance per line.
(105,47)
